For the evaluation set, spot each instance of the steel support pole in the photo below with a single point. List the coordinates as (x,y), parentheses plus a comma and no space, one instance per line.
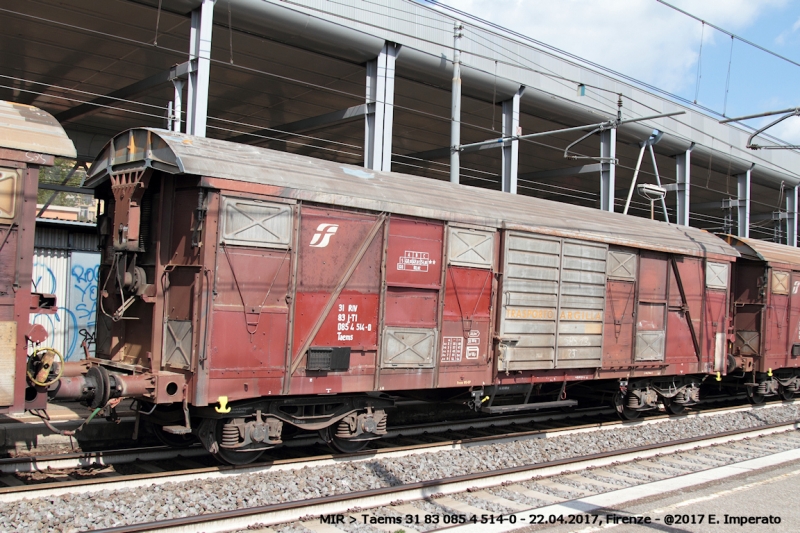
(791,216)
(743,218)
(608,151)
(455,119)
(683,163)
(177,104)
(199,53)
(511,148)
(380,117)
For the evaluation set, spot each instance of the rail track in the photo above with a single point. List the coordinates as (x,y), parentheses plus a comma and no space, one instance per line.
(450,503)
(37,469)
(32,477)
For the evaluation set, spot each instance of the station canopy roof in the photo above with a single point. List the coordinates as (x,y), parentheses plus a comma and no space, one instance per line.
(280,70)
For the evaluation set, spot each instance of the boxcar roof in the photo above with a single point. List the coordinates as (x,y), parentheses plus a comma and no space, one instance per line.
(766,251)
(28,128)
(311,179)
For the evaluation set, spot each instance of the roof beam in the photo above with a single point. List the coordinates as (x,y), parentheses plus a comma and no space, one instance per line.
(562,172)
(340,116)
(444,153)
(130,91)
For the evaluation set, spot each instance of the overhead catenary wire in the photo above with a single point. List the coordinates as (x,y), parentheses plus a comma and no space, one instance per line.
(699,64)
(286,78)
(361,96)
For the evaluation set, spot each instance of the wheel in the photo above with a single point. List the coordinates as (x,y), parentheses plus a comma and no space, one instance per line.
(786,394)
(340,445)
(172,440)
(674,408)
(624,412)
(755,398)
(229,456)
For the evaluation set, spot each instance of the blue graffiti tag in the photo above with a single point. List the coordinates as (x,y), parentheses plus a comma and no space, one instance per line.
(85,282)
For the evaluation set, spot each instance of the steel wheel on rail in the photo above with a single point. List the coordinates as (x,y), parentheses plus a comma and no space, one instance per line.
(341,445)
(229,455)
(786,394)
(624,412)
(755,398)
(674,408)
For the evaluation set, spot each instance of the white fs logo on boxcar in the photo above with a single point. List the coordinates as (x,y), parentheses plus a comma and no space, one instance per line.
(323,235)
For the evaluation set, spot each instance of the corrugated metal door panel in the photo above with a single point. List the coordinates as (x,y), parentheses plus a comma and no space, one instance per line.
(581,305)
(552,329)
(530,300)
(51,276)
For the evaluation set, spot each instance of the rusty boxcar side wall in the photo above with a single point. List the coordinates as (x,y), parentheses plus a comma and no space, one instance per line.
(666,314)
(18,186)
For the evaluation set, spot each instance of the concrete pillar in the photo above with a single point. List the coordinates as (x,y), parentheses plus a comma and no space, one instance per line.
(743,218)
(199,53)
(380,117)
(683,175)
(177,104)
(791,216)
(511,148)
(455,117)
(608,151)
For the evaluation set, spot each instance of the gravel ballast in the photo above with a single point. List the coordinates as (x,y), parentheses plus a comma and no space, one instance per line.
(103,509)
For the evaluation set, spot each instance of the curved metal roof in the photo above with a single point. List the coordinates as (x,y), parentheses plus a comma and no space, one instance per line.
(310,179)
(28,128)
(765,251)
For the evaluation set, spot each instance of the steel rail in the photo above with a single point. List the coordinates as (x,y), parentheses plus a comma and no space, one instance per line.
(93,459)
(342,503)
(9,494)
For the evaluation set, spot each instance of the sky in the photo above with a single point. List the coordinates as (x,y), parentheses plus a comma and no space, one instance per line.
(658,45)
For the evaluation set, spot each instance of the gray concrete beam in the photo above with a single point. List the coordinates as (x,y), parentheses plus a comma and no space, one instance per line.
(608,151)
(511,148)
(791,218)
(199,78)
(340,116)
(743,218)
(683,174)
(380,118)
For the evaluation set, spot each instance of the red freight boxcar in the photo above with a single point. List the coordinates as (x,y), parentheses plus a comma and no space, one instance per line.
(29,139)
(766,318)
(243,289)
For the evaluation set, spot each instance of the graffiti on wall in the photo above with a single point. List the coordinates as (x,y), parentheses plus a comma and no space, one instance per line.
(74,323)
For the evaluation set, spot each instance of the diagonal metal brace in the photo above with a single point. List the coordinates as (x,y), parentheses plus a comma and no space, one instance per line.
(348,273)
(685,307)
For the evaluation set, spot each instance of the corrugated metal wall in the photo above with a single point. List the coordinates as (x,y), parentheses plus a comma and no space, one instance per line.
(75,286)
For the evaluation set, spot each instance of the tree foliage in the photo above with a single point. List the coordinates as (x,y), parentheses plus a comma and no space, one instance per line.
(57,174)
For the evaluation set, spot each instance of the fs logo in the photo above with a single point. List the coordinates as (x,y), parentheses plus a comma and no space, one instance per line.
(323,235)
